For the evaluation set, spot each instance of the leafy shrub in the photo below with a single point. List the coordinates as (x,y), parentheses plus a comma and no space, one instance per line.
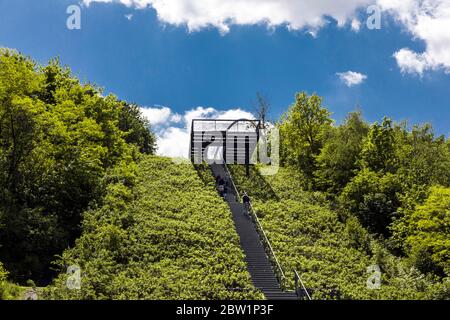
(331,256)
(7,289)
(173,238)
(373,198)
(428,239)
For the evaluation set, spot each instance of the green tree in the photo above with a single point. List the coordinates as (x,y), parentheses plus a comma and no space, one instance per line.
(373,198)
(397,169)
(337,161)
(428,239)
(137,129)
(425,161)
(18,84)
(302,131)
(61,143)
(378,152)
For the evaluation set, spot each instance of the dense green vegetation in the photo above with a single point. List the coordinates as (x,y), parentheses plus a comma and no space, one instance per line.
(80,186)
(355,195)
(72,170)
(62,144)
(428,240)
(168,237)
(7,289)
(332,256)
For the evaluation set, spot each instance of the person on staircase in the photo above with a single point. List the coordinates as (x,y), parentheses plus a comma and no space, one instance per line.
(225,189)
(246,202)
(221,186)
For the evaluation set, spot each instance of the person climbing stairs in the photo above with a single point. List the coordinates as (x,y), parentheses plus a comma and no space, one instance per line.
(258,264)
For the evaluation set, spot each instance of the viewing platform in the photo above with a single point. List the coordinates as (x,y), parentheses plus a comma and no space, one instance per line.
(220,140)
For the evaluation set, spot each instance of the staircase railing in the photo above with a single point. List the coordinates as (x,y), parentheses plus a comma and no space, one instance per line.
(262,234)
(269,250)
(299,285)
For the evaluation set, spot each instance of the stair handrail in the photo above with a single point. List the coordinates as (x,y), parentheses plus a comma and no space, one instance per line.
(232,181)
(267,242)
(297,280)
(260,230)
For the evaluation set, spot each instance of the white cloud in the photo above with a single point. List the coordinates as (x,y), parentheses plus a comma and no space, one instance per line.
(173,142)
(427,20)
(351,78)
(234,114)
(139,4)
(157,116)
(198,113)
(161,116)
(176,118)
(221,14)
(355,25)
(173,129)
(411,62)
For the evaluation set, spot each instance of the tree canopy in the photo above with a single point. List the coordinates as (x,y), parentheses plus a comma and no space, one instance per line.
(59,141)
(302,131)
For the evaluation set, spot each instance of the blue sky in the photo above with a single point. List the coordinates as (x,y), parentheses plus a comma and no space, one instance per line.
(155,63)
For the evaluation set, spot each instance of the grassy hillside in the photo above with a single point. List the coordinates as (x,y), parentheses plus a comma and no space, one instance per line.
(168,237)
(7,289)
(331,256)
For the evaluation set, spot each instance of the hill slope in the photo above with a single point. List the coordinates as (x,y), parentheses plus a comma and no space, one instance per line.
(332,256)
(168,237)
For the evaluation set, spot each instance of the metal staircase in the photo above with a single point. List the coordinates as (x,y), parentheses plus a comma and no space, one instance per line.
(221,142)
(262,264)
